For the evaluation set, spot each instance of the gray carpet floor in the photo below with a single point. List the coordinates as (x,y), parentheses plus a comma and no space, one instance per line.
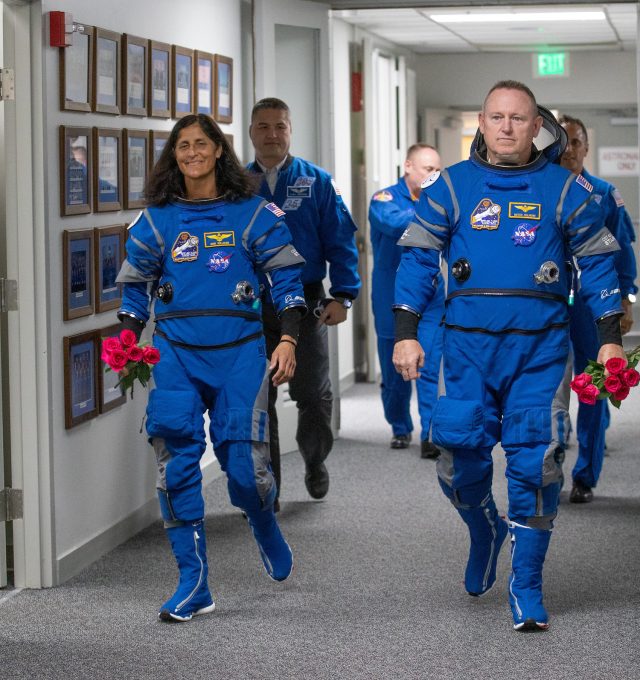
(376,592)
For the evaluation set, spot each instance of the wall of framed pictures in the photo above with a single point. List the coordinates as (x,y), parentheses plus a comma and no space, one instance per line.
(108,109)
(104,169)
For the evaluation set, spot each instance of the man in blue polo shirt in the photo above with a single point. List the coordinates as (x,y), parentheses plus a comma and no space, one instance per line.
(323,233)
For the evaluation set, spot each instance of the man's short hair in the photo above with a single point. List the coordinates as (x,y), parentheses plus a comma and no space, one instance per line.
(418,147)
(570,120)
(512,85)
(269,103)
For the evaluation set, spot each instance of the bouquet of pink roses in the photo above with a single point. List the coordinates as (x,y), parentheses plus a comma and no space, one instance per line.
(593,384)
(123,355)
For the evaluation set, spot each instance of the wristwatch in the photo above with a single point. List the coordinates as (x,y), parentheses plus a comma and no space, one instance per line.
(345,302)
(631,297)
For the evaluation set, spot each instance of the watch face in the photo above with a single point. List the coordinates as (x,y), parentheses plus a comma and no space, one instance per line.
(631,297)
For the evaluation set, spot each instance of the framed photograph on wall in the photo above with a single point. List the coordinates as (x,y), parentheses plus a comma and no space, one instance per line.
(106,71)
(77,272)
(76,72)
(80,367)
(75,170)
(204,82)
(135,71)
(159,79)
(110,394)
(109,256)
(157,142)
(223,102)
(107,171)
(136,164)
(182,74)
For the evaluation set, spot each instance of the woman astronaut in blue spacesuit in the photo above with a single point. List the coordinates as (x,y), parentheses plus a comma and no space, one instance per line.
(198,250)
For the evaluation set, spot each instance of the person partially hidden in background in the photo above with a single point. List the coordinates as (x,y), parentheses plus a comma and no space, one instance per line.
(391,211)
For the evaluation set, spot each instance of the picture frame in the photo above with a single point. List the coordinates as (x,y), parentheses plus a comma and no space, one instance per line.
(204,65)
(77,273)
(80,360)
(135,75)
(136,167)
(108,258)
(110,394)
(182,100)
(157,142)
(75,170)
(106,71)
(223,86)
(160,79)
(76,71)
(107,169)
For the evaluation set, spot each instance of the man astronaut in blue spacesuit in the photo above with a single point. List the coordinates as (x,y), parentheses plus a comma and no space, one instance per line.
(593,419)
(390,212)
(198,250)
(504,219)
(323,233)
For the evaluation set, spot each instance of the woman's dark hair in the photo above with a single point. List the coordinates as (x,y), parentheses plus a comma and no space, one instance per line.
(166,181)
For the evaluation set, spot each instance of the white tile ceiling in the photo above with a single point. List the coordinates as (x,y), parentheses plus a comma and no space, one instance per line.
(414,28)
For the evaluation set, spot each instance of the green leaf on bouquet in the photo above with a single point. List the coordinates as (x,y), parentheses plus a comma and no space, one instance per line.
(615,402)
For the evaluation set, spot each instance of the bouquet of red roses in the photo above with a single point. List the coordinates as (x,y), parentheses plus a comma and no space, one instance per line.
(123,355)
(593,384)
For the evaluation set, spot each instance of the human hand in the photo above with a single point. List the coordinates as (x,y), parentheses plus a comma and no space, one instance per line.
(283,359)
(611,351)
(333,314)
(626,321)
(408,358)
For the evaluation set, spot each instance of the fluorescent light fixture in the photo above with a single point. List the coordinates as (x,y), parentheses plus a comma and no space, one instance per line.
(486,18)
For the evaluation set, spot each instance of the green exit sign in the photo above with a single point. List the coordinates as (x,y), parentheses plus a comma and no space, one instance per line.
(551,65)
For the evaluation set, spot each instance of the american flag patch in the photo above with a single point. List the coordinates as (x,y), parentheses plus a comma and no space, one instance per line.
(335,187)
(617,196)
(584,183)
(278,212)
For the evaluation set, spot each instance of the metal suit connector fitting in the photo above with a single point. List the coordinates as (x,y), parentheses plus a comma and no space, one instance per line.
(549,272)
(243,292)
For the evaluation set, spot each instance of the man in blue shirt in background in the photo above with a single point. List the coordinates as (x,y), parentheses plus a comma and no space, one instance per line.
(390,213)
(323,233)
(593,420)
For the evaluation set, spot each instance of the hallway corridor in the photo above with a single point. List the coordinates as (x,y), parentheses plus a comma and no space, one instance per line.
(376,591)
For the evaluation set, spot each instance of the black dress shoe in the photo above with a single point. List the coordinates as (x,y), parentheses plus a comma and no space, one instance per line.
(400,441)
(429,450)
(581,493)
(316,480)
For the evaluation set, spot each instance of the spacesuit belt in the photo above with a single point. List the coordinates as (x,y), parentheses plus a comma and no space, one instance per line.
(185,313)
(507,331)
(224,345)
(500,292)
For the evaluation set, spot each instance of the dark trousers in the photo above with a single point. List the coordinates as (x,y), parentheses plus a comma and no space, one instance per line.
(310,388)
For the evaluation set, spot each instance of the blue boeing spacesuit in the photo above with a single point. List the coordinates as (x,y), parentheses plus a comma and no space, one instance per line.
(592,420)
(504,231)
(390,212)
(323,232)
(201,260)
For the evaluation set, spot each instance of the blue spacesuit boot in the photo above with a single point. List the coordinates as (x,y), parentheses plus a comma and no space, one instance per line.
(274,550)
(192,596)
(487,531)
(528,550)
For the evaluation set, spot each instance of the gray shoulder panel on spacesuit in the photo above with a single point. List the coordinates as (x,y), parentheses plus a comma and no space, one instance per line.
(286,256)
(416,236)
(599,244)
(456,206)
(129,274)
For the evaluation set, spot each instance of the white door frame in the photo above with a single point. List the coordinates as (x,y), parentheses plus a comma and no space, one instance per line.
(29,356)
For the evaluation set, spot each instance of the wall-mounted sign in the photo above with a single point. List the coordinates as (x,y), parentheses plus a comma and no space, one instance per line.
(551,65)
(618,161)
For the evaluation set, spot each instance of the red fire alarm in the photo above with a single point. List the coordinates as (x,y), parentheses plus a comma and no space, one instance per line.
(60,29)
